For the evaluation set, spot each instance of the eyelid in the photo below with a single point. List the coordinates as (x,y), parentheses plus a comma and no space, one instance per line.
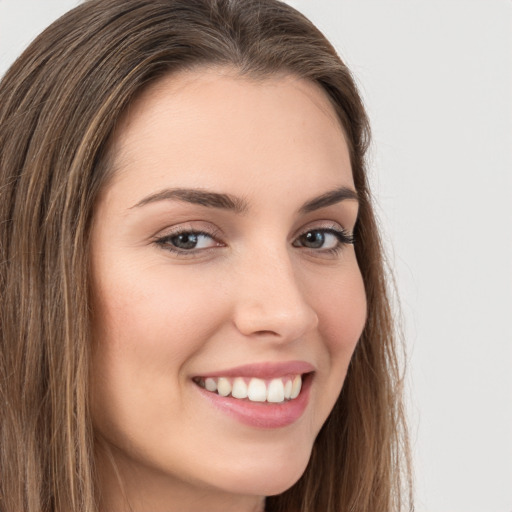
(163,237)
(343,238)
(200,227)
(323,225)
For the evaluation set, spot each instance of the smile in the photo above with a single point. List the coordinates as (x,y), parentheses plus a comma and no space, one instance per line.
(261,395)
(254,389)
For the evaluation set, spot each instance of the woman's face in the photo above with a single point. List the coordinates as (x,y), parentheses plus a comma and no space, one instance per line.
(222,264)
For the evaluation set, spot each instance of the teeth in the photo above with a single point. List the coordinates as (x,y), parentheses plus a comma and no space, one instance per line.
(255,390)
(239,388)
(275,391)
(288,390)
(210,384)
(297,384)
(223,387)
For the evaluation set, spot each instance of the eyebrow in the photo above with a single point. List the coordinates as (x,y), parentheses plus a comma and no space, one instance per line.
(197,196)
(329,198)
(239,205)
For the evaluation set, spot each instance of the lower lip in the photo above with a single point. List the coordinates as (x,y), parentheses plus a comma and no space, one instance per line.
(262,414)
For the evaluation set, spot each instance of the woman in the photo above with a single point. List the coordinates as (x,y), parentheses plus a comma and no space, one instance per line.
(194,310)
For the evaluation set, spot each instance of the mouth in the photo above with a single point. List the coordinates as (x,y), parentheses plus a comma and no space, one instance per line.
(261,396)
(254,389)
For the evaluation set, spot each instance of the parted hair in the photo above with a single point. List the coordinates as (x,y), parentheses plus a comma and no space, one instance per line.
(59,105)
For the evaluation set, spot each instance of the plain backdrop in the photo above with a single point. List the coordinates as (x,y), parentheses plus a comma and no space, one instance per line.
(436,76)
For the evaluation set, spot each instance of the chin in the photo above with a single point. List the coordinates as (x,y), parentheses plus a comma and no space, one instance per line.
(281,484)
(270,477)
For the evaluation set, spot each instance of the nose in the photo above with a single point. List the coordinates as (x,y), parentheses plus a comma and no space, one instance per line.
(271,300)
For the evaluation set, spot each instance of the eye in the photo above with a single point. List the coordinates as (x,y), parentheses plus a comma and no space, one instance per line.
(326,239)
(188,241)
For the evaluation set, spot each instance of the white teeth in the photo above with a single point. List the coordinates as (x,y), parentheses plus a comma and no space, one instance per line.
(257,391)
(288,390)
(275,391)
(239,388)
(210,384)
(297,384)
(223,386)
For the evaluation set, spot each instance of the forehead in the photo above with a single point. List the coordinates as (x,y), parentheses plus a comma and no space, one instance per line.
(225,88)
(210,124)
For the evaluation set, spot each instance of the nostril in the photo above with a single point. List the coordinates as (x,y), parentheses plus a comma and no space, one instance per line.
(266,333)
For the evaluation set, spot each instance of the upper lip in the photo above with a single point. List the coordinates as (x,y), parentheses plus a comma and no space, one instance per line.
(266,370)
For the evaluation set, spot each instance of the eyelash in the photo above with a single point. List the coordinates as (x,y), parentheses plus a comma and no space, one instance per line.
(165,242)
(343,237)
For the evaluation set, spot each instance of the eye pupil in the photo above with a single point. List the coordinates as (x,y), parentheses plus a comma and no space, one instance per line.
(185,240)
(313,239)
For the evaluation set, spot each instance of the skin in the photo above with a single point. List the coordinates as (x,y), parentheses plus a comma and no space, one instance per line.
(253,293)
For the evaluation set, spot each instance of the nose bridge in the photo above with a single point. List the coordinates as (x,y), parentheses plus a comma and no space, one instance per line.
(272,300)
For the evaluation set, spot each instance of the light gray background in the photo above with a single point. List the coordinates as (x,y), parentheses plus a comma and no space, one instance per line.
(436,76)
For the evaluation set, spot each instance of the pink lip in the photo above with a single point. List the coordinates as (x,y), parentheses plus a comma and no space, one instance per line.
(264,370)
(263,414)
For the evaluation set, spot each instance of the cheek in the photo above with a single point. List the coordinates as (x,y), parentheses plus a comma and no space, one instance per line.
(155,311)
(342,316)
(341,307)
(148,325)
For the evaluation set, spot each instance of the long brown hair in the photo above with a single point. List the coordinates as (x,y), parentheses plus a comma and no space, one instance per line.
(59,104)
